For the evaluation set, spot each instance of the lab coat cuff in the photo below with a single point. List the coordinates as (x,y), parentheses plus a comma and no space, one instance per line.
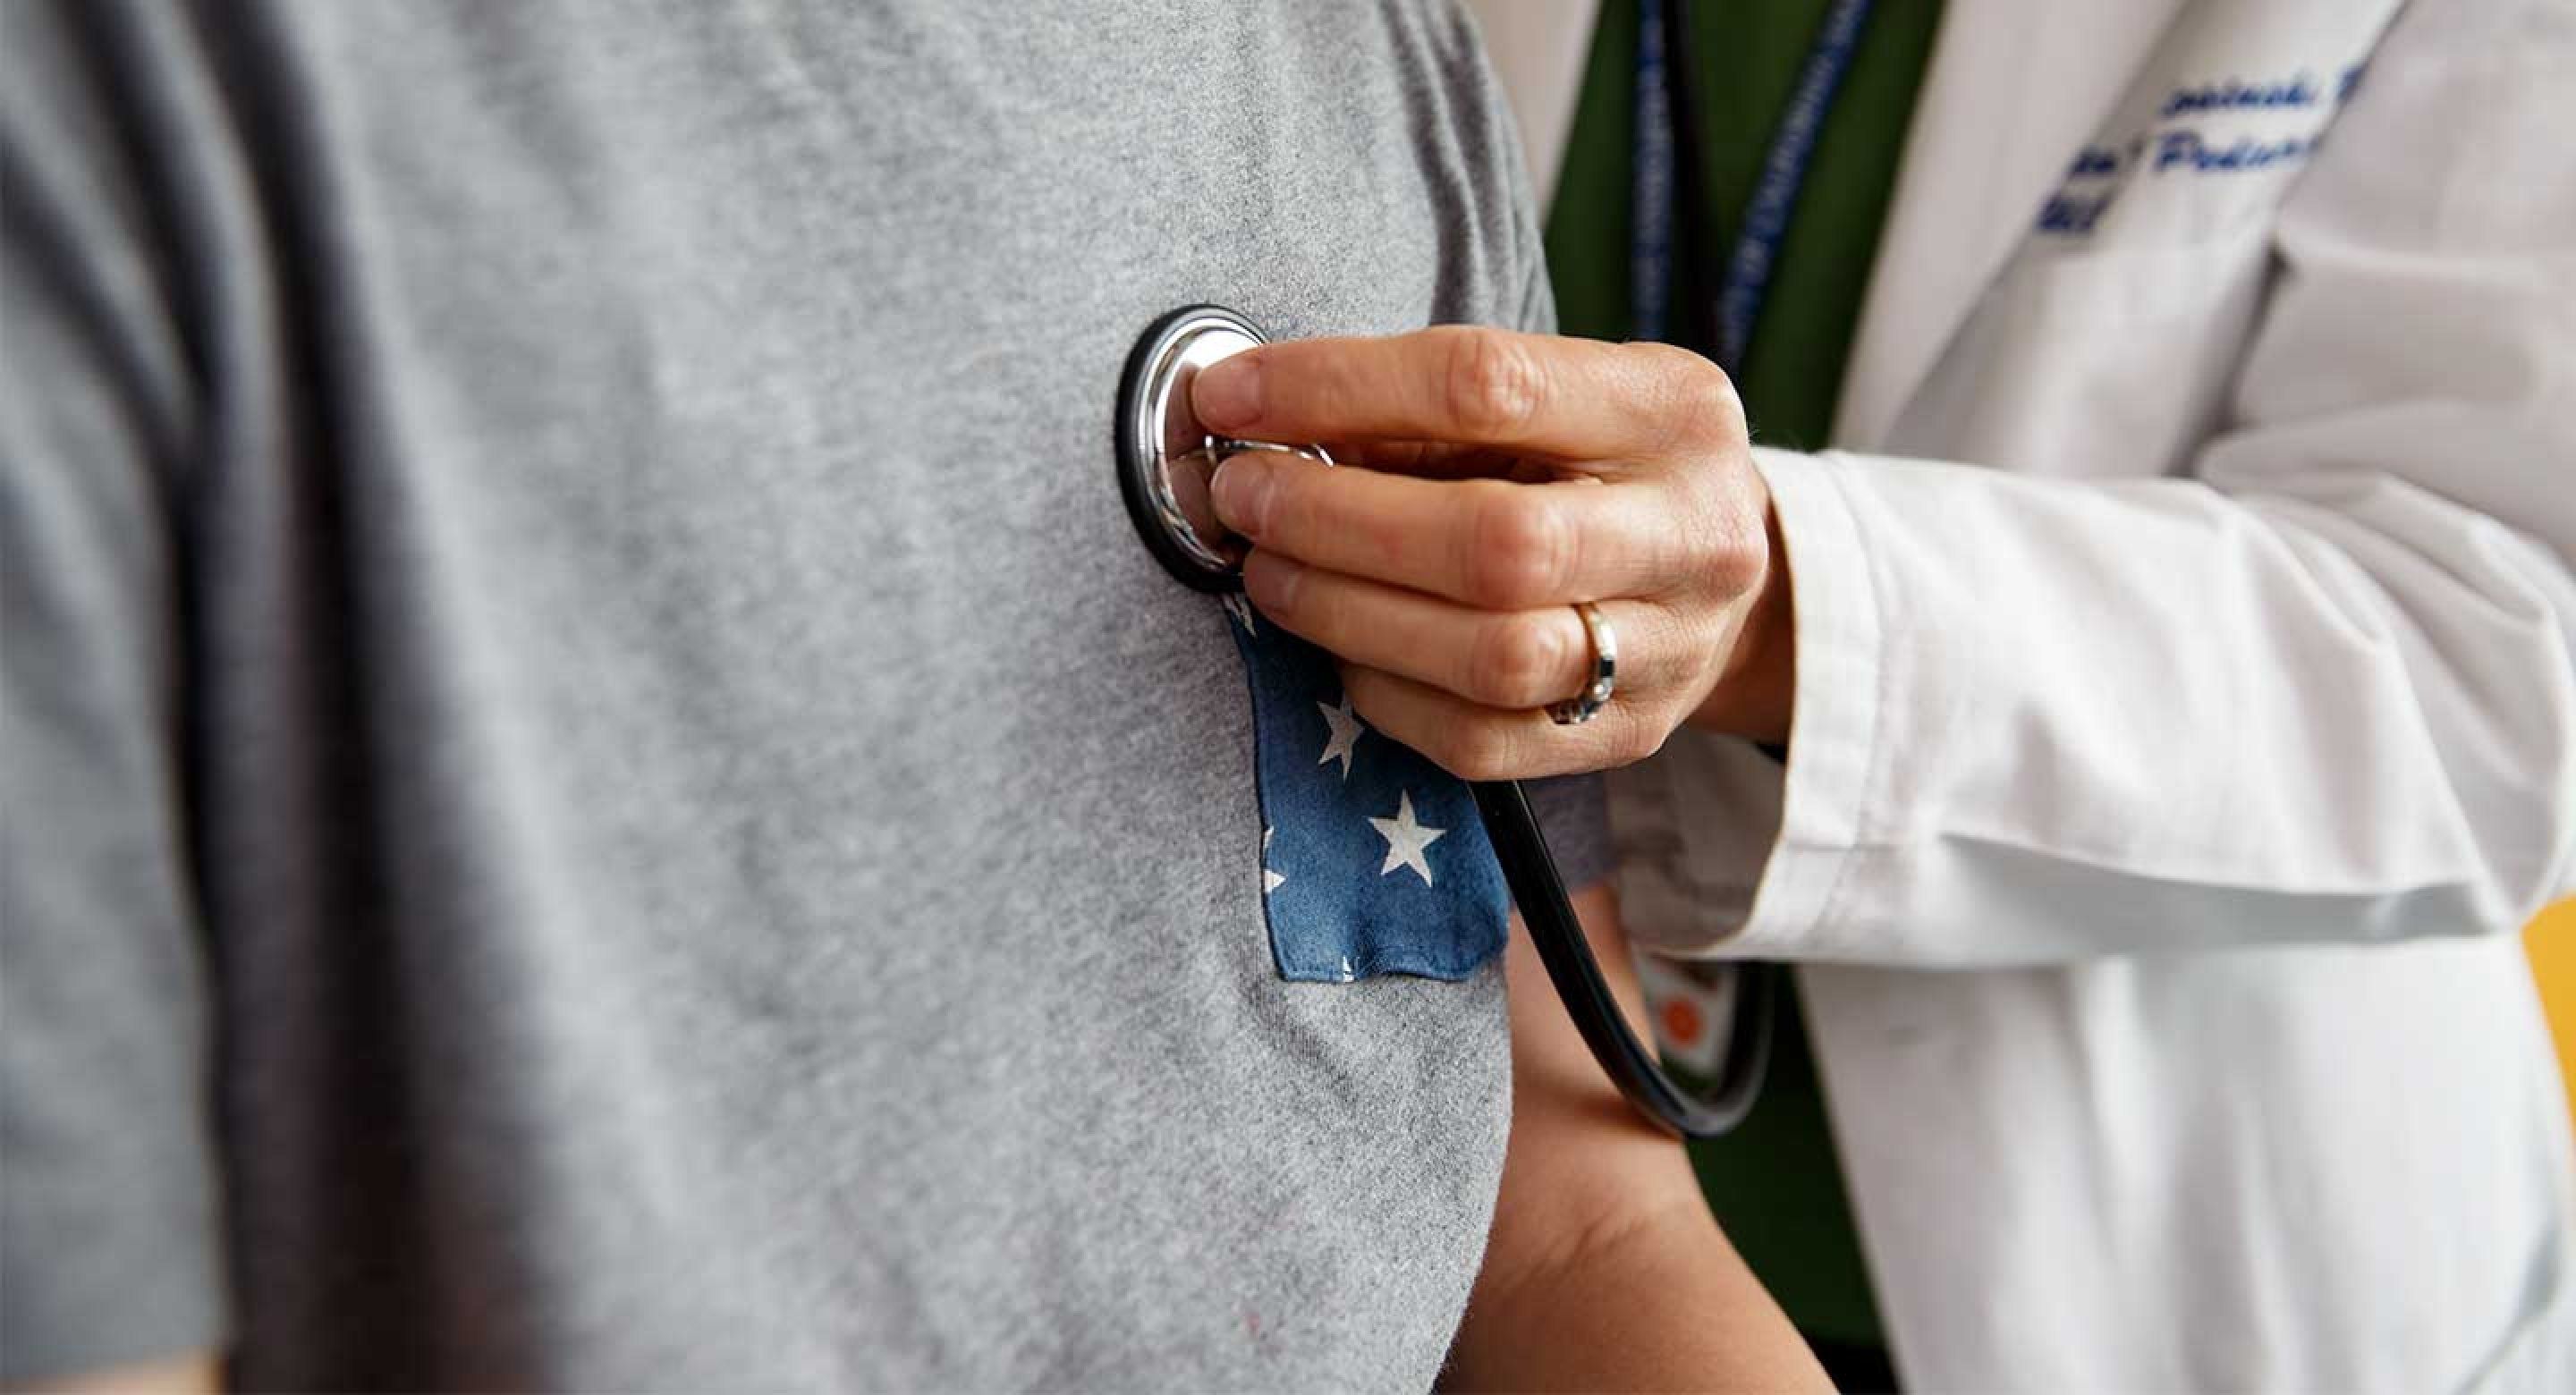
(1725,851)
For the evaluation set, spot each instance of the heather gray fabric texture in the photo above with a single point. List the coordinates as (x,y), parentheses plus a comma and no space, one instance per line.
(600,794)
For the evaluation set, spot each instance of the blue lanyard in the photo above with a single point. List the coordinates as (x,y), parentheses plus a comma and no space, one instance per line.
(1650,189)
(1775,194)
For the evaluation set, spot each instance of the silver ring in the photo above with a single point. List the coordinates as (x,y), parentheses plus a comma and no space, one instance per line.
(1583,707)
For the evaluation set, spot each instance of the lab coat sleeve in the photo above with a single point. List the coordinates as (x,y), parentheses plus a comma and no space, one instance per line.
(2319,689)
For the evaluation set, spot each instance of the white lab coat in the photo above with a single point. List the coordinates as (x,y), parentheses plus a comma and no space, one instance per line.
(2171,771)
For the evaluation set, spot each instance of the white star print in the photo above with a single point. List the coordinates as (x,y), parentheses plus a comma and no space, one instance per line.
(1346,732)
(1405,839)
(1270,881)
(1241,610)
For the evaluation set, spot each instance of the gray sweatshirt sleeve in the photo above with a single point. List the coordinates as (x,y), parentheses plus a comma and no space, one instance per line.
(109,1248)
(1574,812)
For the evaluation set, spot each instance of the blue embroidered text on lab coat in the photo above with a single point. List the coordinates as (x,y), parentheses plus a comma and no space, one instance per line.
(2233,95)
(2094,162)
(2186,149)
(2092,182)
(2100,170)
(2072,213)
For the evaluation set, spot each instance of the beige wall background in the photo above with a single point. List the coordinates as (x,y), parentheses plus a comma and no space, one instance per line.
(1538,47)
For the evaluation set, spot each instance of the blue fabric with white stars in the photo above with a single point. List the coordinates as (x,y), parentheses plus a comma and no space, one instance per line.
(1374,860)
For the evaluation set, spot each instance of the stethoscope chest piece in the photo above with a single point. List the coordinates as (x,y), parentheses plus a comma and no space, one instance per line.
(1166,457)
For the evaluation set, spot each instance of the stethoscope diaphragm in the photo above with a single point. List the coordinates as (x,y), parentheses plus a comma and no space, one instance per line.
(1166,457)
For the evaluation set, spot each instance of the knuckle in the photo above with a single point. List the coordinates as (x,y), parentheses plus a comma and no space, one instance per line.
(1666,545)
(1714,389)
(1520,548)
(1514,662)
(1716,539)
(1734,555)
(1671,362)
(1714,406)
(1738,570)
(1495,384)
(1701,405)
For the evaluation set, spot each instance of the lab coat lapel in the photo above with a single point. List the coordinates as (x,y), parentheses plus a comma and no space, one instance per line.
(2013,92)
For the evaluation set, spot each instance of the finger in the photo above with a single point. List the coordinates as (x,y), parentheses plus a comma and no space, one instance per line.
(1524,659)
(1577,400)
(1442,460)
(1488,543)
(1476,742)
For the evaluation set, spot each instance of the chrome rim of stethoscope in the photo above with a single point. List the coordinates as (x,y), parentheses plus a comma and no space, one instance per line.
(1166,458)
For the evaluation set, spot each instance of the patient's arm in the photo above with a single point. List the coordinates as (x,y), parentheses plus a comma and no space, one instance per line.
(1605,1270)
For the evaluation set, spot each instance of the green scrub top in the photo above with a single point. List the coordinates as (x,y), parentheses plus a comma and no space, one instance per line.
(1774,1183)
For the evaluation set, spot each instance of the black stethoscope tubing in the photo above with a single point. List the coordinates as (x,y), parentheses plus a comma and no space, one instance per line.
(1530,871)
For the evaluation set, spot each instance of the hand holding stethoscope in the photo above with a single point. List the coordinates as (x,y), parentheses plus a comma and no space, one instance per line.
(1515,481)
(1526,499)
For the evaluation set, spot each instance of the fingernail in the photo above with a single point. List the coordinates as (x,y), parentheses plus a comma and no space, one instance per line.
(1271,581)
(1241,489)
(1227,393)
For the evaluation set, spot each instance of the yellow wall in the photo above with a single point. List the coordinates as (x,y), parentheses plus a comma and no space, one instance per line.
(2552,941)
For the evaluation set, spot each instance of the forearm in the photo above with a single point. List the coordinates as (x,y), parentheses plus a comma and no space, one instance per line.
(1657,1302)
(1605,1271)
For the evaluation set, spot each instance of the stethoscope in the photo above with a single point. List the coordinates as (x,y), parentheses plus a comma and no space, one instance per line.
(1165,461)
